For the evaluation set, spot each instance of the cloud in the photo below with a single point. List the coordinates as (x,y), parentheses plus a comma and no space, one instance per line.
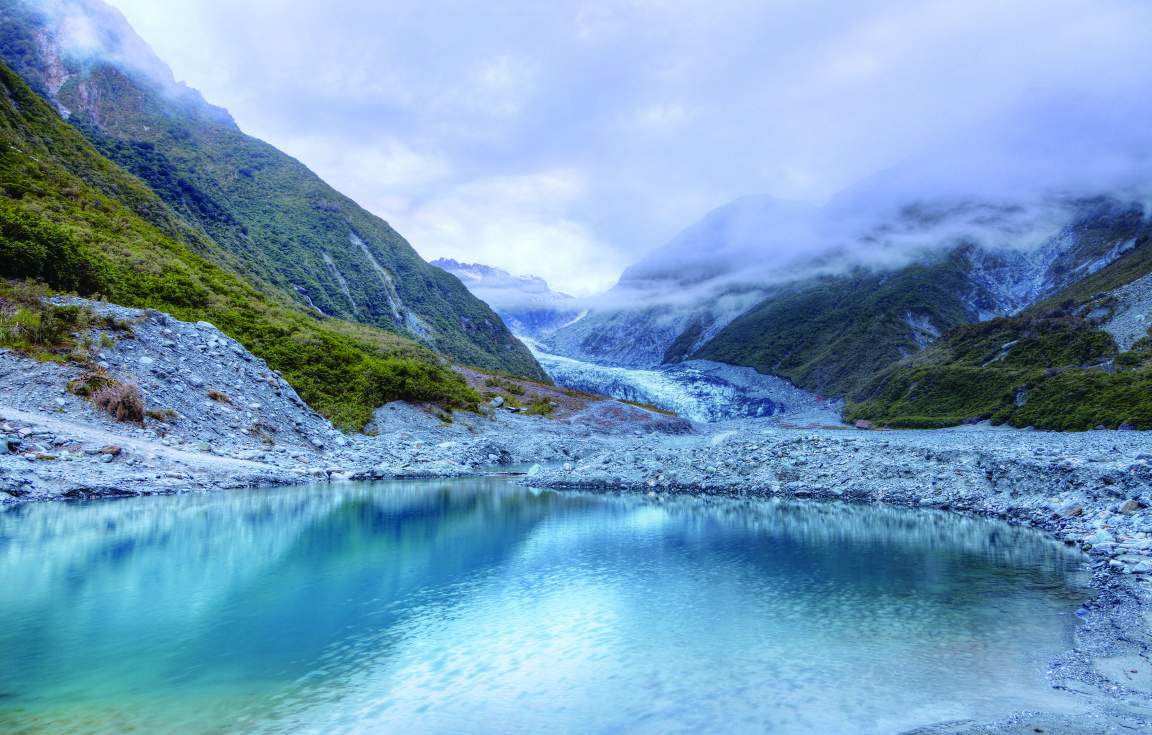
(90,30)
(512,221)
(442,115)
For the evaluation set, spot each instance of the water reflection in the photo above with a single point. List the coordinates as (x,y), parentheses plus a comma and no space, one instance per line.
(474,605)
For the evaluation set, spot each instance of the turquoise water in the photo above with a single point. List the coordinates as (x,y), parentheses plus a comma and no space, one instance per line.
(474,606)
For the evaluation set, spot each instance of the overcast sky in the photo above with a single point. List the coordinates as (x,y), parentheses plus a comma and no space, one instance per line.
(567,138)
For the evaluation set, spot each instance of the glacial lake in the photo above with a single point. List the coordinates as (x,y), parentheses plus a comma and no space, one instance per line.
(476,606)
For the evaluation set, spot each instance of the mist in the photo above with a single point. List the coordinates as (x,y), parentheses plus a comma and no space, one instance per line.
(570,140)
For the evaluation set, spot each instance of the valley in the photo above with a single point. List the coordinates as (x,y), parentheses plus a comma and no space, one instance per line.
(876,460)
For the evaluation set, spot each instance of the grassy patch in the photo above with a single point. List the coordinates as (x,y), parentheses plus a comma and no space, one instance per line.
(45,331)
(76,222)
(1051,371)
(122,401)
(506,385)
(540,407)
(90,382)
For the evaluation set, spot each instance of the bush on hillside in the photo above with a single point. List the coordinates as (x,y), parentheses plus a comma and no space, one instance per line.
(123,401)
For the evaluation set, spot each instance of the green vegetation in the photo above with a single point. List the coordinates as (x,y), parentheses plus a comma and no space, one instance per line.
(44,331)
(93,380)
(831,335)
(1052,371)
(540,407)
(255,210)
(506,385)
(77,222)
(1051,367)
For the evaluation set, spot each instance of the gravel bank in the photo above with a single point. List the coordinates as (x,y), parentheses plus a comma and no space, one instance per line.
(1091,490)
(221,418)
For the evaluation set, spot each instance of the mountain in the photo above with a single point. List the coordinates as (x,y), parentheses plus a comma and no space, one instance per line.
(527,304)
(679,296)
(273,220)
(75,221)
(831,298)
(1079,359)
(833,333)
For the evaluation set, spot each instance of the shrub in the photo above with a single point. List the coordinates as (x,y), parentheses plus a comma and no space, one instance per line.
(123,401)
(78,224)
(509,386)
(91,382)
(540,407)
(163,415)
(41,331)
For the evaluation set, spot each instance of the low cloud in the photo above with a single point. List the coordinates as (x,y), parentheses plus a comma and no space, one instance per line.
(92,31)
(654,113)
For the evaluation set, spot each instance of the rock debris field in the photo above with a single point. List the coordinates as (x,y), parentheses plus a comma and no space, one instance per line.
(220,418)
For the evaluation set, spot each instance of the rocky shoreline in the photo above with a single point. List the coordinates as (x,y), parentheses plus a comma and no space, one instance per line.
(1090,490)
(1093,491)
(218,417)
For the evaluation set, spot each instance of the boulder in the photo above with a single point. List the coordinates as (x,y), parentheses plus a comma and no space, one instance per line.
(1072,510)
(1130,506)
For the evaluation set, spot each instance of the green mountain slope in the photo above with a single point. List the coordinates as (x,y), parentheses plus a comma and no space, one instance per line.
(830,335)
(1053,367)
(835,334)
(73,219)
(273,219)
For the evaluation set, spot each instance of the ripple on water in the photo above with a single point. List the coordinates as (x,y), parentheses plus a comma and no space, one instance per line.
(476,606)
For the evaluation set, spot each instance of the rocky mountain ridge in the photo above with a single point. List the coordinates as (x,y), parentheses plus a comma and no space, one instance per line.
(831,304)
(271,218)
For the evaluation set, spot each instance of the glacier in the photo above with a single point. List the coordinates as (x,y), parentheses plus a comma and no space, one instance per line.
(698,390)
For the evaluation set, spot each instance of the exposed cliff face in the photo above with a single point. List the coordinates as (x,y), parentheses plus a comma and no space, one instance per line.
(827,297)
(274,220)
(1079,359)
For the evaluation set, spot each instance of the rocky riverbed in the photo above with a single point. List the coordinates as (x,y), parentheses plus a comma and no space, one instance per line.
(222,419)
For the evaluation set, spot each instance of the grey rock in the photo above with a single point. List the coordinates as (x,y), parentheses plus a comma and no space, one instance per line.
(1072,510)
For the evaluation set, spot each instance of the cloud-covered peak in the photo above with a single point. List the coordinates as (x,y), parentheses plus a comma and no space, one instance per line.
(568,138)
